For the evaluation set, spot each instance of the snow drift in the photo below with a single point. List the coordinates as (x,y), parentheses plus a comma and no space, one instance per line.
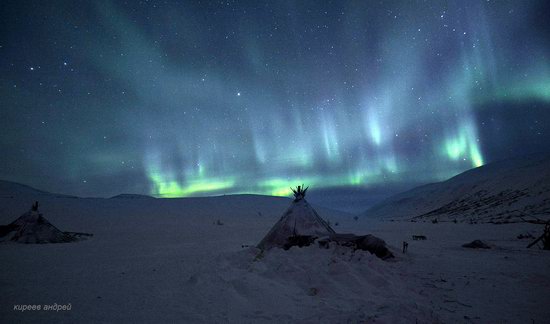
(305,285)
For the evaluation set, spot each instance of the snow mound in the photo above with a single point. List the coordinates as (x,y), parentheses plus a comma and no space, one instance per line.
(499,192)
(306,285)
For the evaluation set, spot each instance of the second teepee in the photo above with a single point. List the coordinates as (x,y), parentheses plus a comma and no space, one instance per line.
(299,221)
(32,227)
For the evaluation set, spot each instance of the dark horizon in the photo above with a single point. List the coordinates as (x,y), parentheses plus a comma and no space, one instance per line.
(352,199)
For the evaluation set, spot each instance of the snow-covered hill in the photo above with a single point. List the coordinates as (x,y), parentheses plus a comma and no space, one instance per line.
(498,192)
(132,196)
(9,189)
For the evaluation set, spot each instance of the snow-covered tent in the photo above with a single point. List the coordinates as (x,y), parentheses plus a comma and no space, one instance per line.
(32,227)
(300,221)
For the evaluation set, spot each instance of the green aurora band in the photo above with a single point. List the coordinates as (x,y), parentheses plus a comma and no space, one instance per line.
(397,112)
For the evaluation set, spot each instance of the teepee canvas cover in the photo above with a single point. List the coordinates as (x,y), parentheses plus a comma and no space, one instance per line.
(299,220)
(32,227)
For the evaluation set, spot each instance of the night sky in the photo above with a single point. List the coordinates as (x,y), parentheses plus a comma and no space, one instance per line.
(192,98)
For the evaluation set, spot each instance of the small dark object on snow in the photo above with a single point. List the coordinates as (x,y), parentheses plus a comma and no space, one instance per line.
(368,242)
(434,221)
(525,236)
(79,234)
(355,218)
(313,291)
(476,244)
(419,237)
(405,246)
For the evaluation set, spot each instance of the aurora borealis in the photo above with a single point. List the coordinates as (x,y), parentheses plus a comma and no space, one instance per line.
(176,99)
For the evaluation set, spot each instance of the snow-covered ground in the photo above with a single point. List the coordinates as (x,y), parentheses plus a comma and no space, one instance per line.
(165,260)
(503,191)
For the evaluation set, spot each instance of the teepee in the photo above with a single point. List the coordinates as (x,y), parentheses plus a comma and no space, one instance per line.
(32,227)
(300,221)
